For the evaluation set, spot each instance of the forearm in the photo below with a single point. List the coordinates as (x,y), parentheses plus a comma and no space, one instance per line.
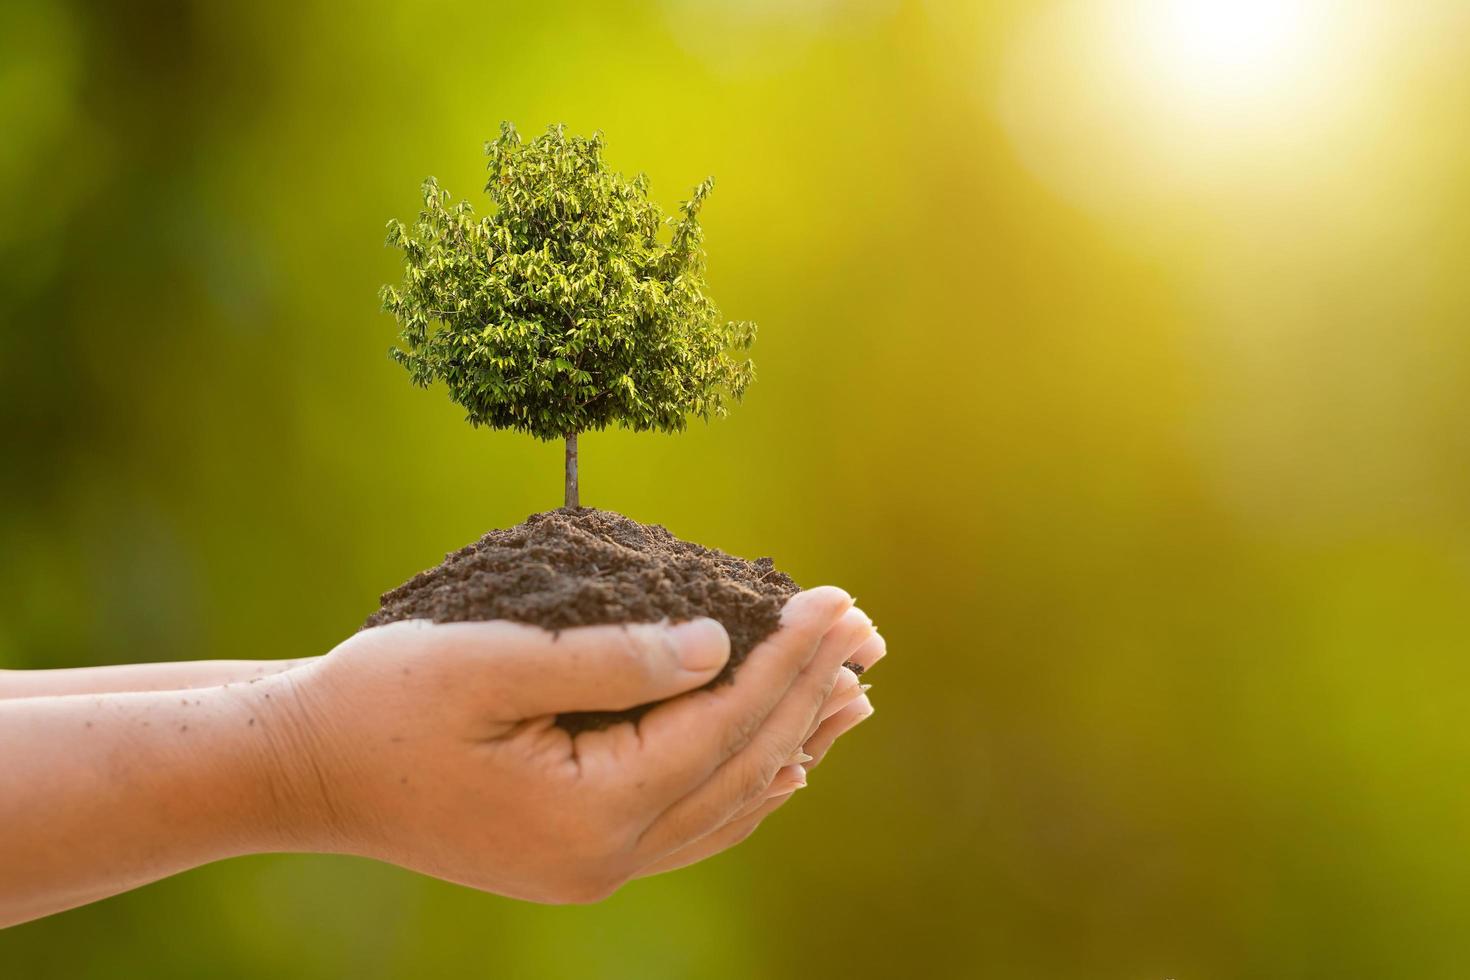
(103,793)
(188,674)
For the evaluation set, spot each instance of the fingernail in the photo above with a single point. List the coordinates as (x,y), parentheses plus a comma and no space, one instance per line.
(702,644)
(864,688)
(784,789)
(800,758)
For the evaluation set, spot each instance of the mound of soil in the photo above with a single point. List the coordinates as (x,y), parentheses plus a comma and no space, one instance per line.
(586,567)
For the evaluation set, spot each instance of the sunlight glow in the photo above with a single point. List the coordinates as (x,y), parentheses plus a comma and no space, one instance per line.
(1124,104)
(1228,49)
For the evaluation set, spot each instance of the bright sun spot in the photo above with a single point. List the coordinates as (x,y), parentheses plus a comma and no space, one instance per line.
(1227,50)
(1119,103)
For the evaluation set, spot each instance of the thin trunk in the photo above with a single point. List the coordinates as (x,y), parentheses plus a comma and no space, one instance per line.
(572,499)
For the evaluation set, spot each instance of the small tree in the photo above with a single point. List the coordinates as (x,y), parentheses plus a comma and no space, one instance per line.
(564,310)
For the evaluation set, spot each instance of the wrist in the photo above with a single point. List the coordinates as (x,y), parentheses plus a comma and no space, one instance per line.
(293,771)
(233,764)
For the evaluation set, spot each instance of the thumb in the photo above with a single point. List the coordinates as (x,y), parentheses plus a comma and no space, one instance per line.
(533,672)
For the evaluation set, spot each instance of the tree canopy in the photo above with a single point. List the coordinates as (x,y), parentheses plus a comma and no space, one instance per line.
(565,308)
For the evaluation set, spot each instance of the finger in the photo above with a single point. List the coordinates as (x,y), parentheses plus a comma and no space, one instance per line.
(743,777)
(788,779)
(833,728)
(868,654)
(721,840)
(528,671)
(848,686)
(844,689)
(686,740)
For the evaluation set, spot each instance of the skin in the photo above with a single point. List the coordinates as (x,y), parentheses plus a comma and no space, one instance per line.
(433,747)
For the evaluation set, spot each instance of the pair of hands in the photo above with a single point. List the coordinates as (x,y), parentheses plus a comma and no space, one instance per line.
(436,748)
(429,746)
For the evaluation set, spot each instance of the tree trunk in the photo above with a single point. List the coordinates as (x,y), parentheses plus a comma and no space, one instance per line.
(572,498)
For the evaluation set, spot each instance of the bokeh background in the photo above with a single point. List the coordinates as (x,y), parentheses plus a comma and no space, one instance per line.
(1115,354)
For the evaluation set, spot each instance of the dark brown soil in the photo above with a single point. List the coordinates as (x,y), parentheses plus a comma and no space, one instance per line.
(586,567)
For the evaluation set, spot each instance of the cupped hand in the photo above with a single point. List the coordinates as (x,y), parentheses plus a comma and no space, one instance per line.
(435,746)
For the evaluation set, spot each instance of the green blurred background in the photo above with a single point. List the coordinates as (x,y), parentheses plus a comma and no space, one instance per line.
(1115,354)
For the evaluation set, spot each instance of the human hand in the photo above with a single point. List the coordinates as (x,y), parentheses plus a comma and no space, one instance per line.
(434,746)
